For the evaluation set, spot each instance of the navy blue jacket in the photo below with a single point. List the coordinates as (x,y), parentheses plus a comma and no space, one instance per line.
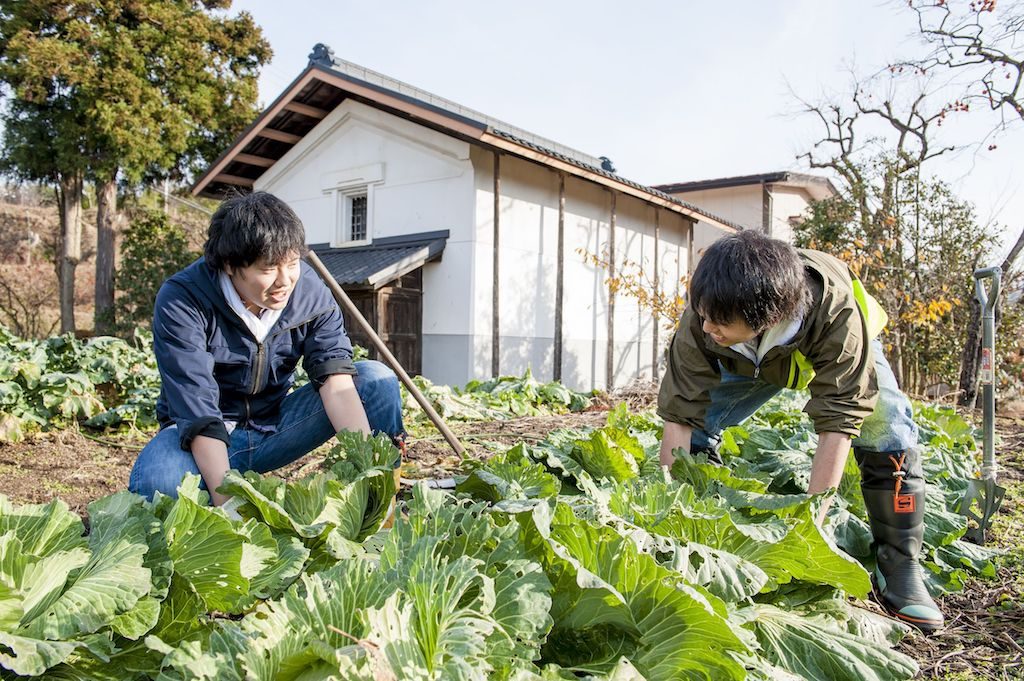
(212,369)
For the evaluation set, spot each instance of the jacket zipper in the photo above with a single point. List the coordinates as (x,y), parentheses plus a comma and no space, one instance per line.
(257,378)
(261,358)
(771,354)
(261,361)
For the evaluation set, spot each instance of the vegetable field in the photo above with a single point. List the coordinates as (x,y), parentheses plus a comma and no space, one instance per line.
(564,552)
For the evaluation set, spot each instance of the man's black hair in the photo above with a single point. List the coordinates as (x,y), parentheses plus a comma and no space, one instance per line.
(751,277)
(248,227)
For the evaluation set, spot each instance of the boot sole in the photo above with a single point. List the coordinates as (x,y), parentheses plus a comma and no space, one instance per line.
(926,627)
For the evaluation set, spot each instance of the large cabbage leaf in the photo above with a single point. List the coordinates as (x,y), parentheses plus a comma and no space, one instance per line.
(612,600)
(818,645)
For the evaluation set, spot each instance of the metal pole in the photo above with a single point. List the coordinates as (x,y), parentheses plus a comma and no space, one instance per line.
(348,306)
(988,300)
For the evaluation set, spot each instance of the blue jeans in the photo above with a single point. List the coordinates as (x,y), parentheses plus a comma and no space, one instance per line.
(302,427)
(889,428)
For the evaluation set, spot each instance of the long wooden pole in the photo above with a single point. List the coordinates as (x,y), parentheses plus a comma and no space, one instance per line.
(348,306)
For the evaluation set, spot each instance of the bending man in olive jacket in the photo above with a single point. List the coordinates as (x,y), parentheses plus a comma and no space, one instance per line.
(764,316)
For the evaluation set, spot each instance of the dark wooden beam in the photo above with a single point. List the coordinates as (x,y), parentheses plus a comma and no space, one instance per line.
(559,279)
(279,135)
(657,292)
(690,260)
(495,298)
(610,359)
(250,159)
(766,209)
(306,110)
(233,179)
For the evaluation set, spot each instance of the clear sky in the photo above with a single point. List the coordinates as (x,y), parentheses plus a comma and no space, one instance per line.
(670,91)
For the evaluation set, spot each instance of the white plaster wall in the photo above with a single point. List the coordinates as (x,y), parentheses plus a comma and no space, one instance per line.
(585,298)
(483,269)
(741,205)
(704,235)
(787,203)
(527,267)
(425,181)
(634,255)
(673,259)
(425,184)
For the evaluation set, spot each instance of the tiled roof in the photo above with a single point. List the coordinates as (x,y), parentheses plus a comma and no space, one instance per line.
(389,84)
(612,176)
(327,81)
(743,180)
(382,261)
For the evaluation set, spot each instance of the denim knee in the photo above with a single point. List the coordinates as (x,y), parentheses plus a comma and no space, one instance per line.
(375,381)
(161,466)
(890,427)
(379,392)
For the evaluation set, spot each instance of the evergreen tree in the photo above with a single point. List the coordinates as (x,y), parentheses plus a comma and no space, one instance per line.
(120,90)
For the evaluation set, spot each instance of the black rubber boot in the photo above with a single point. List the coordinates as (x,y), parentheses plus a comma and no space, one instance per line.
(893,488)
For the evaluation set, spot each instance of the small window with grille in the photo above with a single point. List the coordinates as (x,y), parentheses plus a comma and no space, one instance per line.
(353,226)
(357,218)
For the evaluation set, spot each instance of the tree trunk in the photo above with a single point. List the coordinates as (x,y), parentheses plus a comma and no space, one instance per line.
(971,357)
(106,211)
(896,359)
(71,246)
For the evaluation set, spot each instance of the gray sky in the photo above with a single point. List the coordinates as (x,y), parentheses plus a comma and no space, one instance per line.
(670,91)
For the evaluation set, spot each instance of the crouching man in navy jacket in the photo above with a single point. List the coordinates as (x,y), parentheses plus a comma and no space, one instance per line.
(228,332)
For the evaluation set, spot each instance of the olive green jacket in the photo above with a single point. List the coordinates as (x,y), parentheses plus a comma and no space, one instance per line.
(834,338)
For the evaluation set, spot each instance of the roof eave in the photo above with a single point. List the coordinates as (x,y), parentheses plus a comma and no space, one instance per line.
(247,135)
(436,117)
(571,168)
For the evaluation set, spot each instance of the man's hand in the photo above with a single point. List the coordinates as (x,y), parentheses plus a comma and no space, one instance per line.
(211,456)
(342,404)
(676,436)
(827,467)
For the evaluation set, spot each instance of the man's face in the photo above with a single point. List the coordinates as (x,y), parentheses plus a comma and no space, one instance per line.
(264,285)
(732,333)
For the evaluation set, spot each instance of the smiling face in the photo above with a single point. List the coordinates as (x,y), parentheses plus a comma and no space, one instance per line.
(263,285)
(732,333)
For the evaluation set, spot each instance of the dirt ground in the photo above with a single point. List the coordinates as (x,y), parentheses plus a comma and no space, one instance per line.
(78,466)
(984,638)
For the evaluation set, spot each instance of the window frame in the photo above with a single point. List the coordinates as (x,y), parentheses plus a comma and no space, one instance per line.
(343,215)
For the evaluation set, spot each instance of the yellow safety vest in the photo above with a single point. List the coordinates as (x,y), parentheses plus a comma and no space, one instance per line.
(875,318)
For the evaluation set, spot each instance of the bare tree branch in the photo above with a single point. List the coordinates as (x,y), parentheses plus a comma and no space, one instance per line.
(979,41)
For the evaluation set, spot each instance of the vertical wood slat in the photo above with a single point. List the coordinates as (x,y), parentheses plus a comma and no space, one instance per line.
(610,358)
(559,280)
(689,252)
(418,327)
(657,292)
(495,318)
